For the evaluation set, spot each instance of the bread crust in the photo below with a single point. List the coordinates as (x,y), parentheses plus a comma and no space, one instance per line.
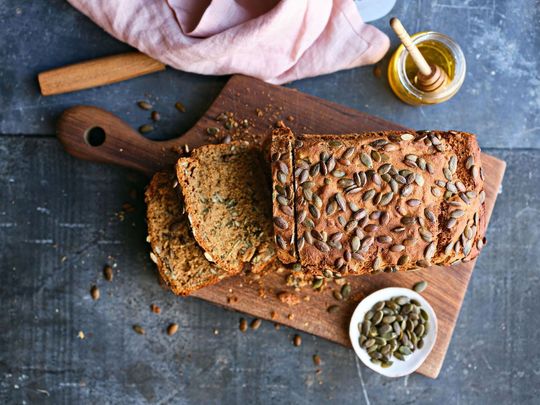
(281,156)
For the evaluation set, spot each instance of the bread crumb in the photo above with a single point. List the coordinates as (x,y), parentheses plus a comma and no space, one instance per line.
(340,281)
(289,298)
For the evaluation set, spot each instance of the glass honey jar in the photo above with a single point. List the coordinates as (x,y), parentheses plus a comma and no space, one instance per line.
(437,49)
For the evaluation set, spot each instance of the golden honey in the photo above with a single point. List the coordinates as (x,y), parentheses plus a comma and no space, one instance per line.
(437,49)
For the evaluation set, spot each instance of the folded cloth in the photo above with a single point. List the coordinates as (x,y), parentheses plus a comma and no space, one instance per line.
(276,41)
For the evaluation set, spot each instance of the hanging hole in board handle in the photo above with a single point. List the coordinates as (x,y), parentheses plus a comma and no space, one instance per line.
(95,136)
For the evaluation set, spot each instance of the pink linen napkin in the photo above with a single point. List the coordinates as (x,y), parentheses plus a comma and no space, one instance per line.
(276,41)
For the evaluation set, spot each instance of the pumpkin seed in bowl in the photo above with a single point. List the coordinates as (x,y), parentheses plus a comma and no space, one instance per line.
(393,330)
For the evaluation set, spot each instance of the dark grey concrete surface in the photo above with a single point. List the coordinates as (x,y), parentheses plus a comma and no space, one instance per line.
(499,99)
(59,226)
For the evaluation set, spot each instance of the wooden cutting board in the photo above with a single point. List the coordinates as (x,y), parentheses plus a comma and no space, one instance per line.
(263,105)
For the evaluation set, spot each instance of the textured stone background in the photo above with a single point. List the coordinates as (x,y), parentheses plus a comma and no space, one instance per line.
(53,206)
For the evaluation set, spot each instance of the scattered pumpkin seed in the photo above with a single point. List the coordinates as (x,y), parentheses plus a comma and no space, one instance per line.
(346,291)
(155,116)
(108,272)
(144,105)
(297,340)
(180,107)
(172,329)
(420,286)
(146,128)
(94,293)
(243,325)
(332,309)
(212,131)
(255,324)
(317,283)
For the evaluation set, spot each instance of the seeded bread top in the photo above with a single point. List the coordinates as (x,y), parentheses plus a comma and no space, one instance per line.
(282,194)
(387,201)
(228,202)
(180,260)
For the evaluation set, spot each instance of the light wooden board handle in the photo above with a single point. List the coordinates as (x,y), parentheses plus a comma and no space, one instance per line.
(97,72)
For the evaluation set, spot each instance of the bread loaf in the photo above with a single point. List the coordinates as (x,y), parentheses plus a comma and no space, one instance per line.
(384,201)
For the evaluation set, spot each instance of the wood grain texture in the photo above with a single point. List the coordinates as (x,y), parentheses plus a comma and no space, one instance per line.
(97,72)
(244,96)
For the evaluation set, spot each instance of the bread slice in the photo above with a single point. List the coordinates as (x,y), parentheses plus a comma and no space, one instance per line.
(180,261)
(387,201)
(281,156)
(227,198)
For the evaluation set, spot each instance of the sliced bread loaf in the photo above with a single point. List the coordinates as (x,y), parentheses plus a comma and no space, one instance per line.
(180,261)
(227,199)
(387,201)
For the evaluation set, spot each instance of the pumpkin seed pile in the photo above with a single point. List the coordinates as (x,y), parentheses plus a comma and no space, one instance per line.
(393,329)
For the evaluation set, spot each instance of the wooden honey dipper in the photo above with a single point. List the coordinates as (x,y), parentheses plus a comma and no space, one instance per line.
(429,77)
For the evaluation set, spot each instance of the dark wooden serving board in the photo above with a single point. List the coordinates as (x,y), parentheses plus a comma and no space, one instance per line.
(262,105)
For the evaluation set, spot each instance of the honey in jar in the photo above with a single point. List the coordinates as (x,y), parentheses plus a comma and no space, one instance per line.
(437,49)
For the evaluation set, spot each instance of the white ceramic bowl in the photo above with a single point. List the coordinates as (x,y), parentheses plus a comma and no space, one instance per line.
(413,361)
